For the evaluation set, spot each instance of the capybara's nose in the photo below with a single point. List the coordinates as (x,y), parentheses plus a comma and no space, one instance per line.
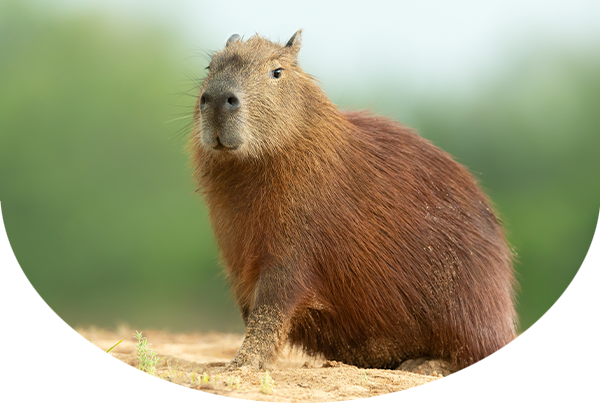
(227,102)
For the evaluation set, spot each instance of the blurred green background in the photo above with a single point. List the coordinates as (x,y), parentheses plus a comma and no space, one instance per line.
(101,210)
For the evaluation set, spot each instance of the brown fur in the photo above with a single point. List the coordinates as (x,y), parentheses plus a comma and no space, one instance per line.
(345,233)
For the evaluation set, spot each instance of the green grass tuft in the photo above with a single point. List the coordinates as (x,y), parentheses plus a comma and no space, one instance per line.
(147,357)
(266,384)
(364,377)
(234,382)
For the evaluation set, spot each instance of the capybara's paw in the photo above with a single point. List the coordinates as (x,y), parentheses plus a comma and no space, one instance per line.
(243,359)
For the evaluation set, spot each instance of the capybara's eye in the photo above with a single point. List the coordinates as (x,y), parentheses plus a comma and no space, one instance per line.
(277,72)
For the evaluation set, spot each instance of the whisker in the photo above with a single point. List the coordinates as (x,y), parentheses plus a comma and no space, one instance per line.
(179,118)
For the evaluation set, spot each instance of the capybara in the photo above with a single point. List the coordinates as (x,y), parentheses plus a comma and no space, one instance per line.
(343,233)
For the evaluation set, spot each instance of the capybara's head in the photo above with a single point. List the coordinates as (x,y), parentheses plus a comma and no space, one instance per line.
(253,98)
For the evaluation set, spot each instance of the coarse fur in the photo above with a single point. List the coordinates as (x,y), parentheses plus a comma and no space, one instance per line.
(344,233)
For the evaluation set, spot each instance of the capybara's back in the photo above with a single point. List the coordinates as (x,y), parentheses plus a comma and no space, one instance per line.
(346,234)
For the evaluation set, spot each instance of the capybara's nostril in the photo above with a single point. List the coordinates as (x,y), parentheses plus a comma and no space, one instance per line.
(231,102)
(204,99)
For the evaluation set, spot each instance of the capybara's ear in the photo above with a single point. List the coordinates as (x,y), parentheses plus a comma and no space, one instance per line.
(232,38)
(295,43)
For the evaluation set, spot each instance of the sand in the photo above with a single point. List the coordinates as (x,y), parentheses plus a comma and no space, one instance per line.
(560,368)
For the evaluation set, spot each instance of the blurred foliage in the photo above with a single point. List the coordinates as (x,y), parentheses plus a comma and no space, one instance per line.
(99,203)
(96,188)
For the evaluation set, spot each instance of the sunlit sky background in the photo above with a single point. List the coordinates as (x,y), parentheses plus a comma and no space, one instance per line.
(439,45)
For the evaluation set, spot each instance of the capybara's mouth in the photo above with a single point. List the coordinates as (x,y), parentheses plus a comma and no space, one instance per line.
(221,147)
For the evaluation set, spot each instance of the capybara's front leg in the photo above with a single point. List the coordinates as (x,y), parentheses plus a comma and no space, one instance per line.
(276,299)
(265,333)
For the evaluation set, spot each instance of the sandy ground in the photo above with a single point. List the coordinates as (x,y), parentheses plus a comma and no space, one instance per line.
(563,368)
